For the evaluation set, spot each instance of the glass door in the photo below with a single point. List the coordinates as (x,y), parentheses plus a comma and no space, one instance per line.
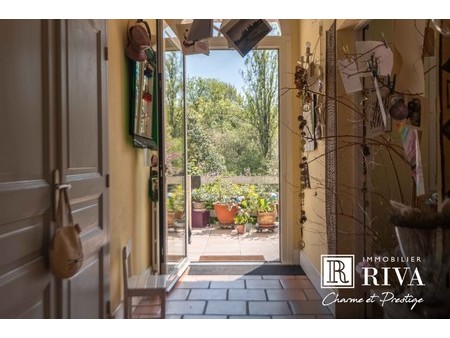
(174,211)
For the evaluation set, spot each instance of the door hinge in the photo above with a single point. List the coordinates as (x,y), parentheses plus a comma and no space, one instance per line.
(106,53)
(107,180)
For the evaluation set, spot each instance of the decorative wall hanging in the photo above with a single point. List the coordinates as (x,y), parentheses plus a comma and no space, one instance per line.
(330,142)
(143,87)
(304,173)
(309,115)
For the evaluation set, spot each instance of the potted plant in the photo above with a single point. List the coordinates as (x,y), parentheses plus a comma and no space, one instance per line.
(175,205)
(170,209)
(266,214)
(241,219)
(199,197)
(226,203)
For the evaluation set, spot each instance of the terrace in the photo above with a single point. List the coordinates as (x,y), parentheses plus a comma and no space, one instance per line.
(214,240)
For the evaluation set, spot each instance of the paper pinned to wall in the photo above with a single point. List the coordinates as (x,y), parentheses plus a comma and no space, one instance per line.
(408,42)
(382,53)
(349,74)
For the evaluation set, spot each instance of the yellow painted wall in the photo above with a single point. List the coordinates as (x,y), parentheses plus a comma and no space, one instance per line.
(383,175)
(314,233)
(129,203)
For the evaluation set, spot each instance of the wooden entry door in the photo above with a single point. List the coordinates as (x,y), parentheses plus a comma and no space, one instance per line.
(83,159)
(27,289)
(53,120)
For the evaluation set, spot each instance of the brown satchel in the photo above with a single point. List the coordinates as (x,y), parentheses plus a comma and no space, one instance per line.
(66,252)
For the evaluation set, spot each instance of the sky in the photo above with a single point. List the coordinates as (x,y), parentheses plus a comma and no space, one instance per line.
(223,65)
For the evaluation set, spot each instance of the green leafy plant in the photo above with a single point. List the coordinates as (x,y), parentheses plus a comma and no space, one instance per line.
(265,205)
(242,217)
(170,202)
(175,199)
(201,194)
(224,192)
(251,195)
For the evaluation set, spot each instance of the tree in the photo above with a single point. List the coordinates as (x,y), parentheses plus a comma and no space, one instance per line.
(261,99)
(203,156)
(174,93)
(218,103)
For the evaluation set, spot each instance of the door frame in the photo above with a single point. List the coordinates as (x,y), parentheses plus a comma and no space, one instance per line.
(286,139)
(182,265)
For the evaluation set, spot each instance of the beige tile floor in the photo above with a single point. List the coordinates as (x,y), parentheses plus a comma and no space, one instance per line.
(215,241)
(237,296)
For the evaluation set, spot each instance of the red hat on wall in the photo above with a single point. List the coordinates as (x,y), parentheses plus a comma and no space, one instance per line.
(138,41)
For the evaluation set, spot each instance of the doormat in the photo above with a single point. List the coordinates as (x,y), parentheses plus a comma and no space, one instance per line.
(264,269)
(231,258)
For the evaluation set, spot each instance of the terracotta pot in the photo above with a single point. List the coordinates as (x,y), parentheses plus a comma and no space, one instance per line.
(170,218)
(224,214)
(266,218)
(198,205)
(240,228)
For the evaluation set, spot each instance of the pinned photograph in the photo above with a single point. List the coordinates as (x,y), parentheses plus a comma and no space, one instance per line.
(246,33)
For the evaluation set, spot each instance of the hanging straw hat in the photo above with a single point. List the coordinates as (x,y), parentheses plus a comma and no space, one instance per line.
(138,41)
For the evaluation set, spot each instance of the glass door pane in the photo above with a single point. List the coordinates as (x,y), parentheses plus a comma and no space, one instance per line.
(174,155)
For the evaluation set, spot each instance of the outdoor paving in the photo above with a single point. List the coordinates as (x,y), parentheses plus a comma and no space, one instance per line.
(239,297)
(213,240)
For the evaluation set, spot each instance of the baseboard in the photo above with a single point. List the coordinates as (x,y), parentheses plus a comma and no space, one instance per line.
(314,276)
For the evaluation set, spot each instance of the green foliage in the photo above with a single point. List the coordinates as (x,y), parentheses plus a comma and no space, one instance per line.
(227,133)
(201,194)
(174,156)
(224,192)
(261,99)
(249,197)
(219,191)
(175,198)
(242,217)
(174,93)
(218,103)
(266,202)
(240,151)
(203,157)
(219,132)
(264,205)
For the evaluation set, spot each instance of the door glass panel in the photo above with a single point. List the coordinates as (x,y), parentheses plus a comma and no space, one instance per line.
(175,159)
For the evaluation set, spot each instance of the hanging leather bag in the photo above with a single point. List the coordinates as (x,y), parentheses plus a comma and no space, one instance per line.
(66,251)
